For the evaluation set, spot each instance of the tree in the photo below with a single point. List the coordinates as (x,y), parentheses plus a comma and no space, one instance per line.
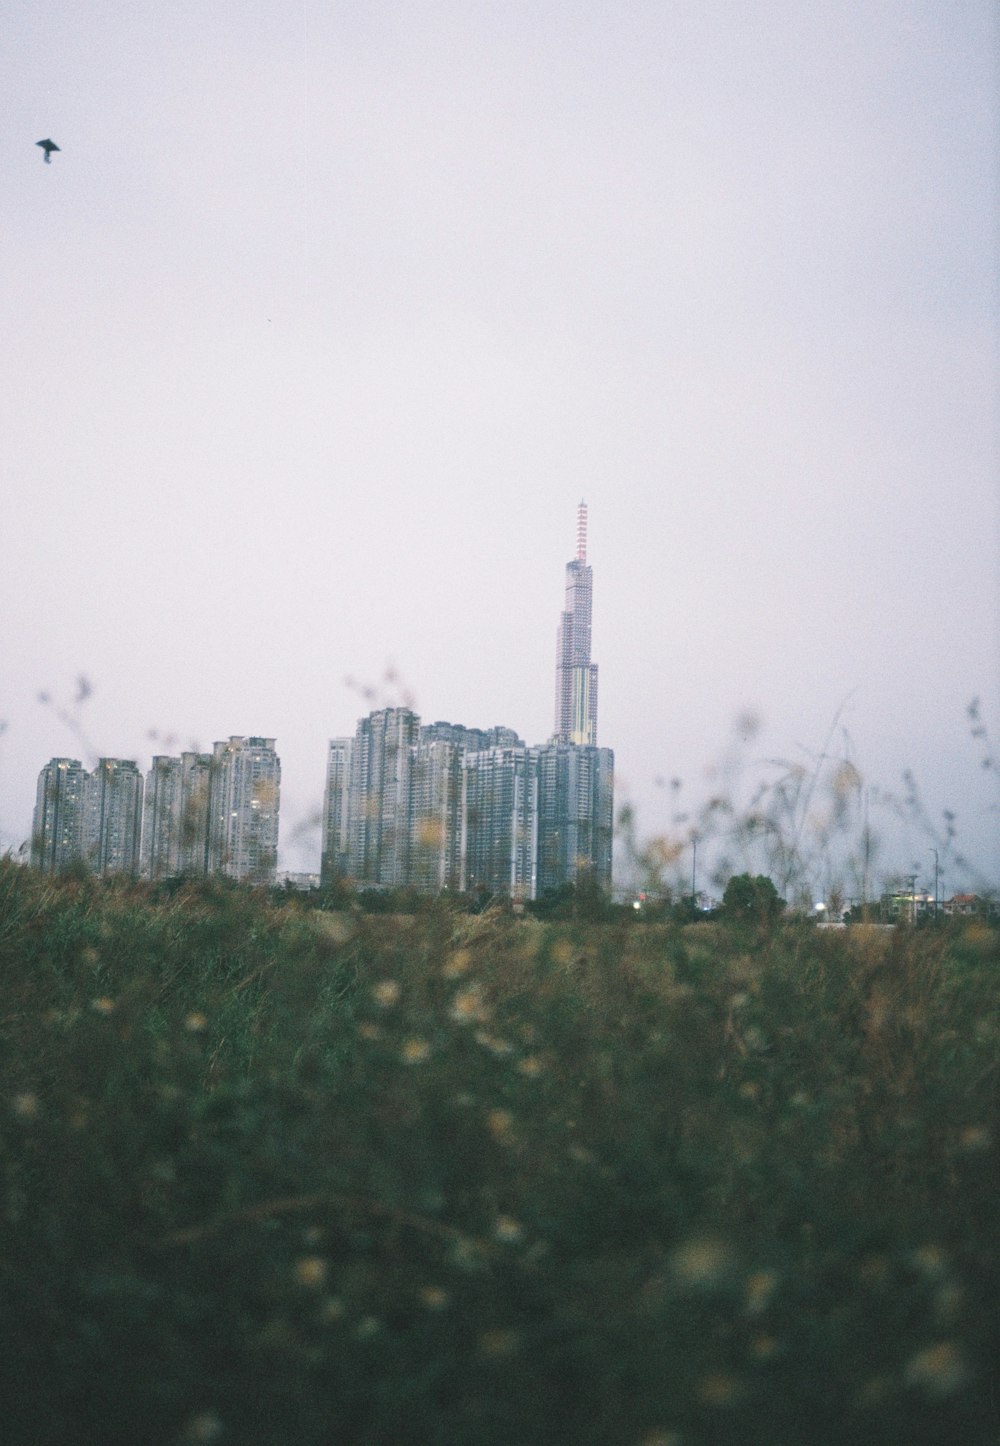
(751,901)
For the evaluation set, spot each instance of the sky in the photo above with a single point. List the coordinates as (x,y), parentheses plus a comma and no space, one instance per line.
(326,316)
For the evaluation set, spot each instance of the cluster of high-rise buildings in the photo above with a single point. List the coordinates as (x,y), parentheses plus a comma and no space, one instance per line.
(433,807)
(439,806)
(201,813)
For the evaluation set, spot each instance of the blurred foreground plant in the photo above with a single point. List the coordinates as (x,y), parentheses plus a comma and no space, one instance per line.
(268,1175)
(807,824)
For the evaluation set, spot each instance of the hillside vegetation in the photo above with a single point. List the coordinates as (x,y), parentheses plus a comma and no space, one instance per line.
(269,1175)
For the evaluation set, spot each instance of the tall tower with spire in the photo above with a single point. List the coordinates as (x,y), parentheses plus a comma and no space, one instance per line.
(576,675)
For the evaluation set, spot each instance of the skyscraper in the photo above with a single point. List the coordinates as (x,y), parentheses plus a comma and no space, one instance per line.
(435,861)
(575,815)
(161,819)
(196,778)
(379,804)
(333,857)
(576,675)
(58,834)
(175,816)
(500,820)
(575,777)
(115,816)
(243,809)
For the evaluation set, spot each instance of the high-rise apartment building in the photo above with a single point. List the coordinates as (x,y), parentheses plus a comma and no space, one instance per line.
(115,817)
(244,797)
(435,860)
(58,833)
(379,810)
(335,835)
(196,785)
(576,675)
(575,815)
(161,819)
(500,821)
(176,816)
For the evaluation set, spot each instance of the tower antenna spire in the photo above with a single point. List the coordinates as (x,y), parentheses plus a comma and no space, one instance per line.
(581,532)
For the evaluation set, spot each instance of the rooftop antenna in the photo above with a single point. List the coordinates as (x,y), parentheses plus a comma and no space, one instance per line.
(581,532)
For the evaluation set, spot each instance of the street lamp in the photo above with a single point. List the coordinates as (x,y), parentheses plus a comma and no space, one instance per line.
(935,853)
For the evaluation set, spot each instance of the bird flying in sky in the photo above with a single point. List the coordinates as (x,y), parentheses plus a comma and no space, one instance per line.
(48,147)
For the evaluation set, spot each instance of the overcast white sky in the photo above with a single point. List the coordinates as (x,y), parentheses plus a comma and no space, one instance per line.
(326,315)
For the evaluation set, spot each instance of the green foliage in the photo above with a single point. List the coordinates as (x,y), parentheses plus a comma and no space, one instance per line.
(751,902)
(273,1175)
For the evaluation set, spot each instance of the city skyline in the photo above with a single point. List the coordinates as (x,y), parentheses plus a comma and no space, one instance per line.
(399,805)
(433,807)
(292,431)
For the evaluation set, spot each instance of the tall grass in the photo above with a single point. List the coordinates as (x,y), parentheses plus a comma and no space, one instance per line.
(814,823)
(271,1176)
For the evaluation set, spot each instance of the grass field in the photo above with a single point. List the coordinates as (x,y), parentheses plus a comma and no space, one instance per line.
(269,1175)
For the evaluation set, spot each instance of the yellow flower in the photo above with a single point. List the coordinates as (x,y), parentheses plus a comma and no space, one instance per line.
(387,993)
(938,1370)
(103,1005)
(500,1124)
(196,1022)
(415,1051)
(468,1006)
(310,1271)
(508,1230)
(702,1261)
(430,833)
(493,1043)
(457,964)
(433,1297)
